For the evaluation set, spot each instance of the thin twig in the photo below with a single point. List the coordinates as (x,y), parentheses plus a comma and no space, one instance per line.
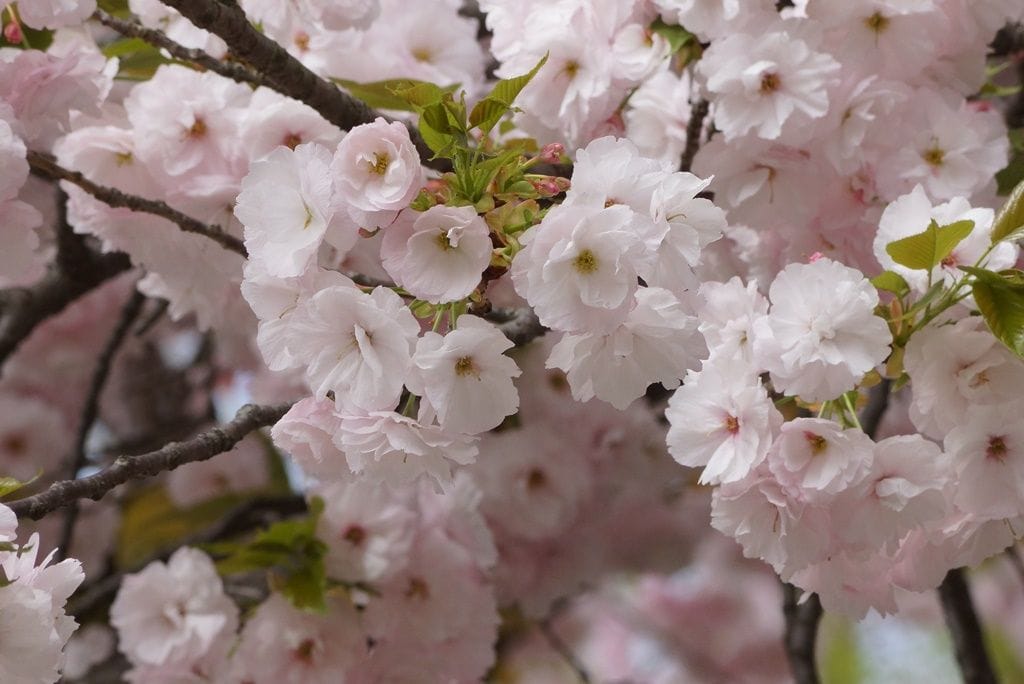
(48,166)
(801,633)
(965,630)
(696,124)
(285,73)
(558,644)
(202,447)
(90,410)
(232,70)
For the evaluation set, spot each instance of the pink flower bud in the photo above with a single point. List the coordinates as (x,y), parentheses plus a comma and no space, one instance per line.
(13,34)
(552,153)
(814,257)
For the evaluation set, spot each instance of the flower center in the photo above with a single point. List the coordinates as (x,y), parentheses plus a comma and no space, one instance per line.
(996,448)
(123,158)
(422,55)
(354,535)
(465,366)
(198,129)
(292,140)
(304,651)
(817,443)
(585,262)
(731,424)
(877,22)
(14,445)
(417,589)
(536,479)
(770,83)
(934,156)
(380,163)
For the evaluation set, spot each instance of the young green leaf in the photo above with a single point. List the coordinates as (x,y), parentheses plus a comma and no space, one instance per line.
(924,251)
(676,36)
(398,94)
(488,111)
(1003,311)
(1009,224)
(891,282)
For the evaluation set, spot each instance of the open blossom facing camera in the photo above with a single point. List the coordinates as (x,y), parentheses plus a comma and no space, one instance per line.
(721,418)
(357,345)
(579,267)
(438,255)
(761,82)
(821,334)
(376,167)
(466,377)
(174,612)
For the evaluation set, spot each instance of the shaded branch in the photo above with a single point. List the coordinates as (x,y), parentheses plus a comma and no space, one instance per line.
(878,402)
(801,633)
(519,325)
(202,447)
(47,166)
(235,72)
(693,130)
(90,410)
(964,628)
(287,75)
(25,308)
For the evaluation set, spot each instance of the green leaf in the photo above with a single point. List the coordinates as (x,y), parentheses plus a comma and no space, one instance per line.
(928,297)
(151,524)
(1003,311)
(1009,223)
(9,485)
(488,111)
(926,250)
(440,143)
(138,60)
(436,116)
(290,551)
(399,94)
(676,36)
(841,662)
(891,282)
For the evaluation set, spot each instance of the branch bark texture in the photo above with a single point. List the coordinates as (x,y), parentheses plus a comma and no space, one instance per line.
(964,628)
(200,448)
(47,166)
(286,74)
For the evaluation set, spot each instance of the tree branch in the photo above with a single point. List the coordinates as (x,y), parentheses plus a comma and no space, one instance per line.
(288,75)
(878,402)
(47,166)
(964,628)
(521,326)
(202,447)
(25,308)
(801,633)
(693,129)
(90,411)
(236,72)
